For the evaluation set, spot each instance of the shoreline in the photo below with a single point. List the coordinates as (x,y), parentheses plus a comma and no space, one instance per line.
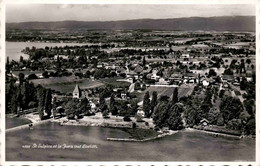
(65,122)
(217,134)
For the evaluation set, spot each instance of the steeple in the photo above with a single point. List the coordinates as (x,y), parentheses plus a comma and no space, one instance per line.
(77,92)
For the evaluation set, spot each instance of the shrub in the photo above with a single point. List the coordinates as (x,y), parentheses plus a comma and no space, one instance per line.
(235,124)
(134,125)
(237,93)
(32,76)
(127,119)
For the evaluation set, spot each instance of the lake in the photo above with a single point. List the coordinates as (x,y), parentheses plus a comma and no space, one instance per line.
(14,122)
(183,146)
(13,49)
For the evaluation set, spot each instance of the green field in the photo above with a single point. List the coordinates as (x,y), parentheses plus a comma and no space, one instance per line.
(113,82)
(183,90)
(66,84)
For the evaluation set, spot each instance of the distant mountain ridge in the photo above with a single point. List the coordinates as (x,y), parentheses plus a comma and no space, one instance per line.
(224,23)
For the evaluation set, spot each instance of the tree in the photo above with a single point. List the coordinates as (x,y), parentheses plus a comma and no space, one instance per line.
(175,96)
(153,102)
(164,98)
(234,124)
(243,83)
(213,116)
(102,102)
(25,94)
(212,73)
(250,106)
(21,78)
(105,114)
(58,63)
(112,107)
(144,61)
(230,107)
(221,93)
(133,108)
(248,61)
(250,127)
(84,106)
(54,107)
(32,76)
(72,108)
(146,104)
(47,103)
(192,113)
(7,65)
(13,104)
(21,60)
(175,120)
(228,72)
(41,101)
(161,114)
(45,74)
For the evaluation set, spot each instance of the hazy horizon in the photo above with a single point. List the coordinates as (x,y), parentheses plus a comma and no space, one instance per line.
(16,13)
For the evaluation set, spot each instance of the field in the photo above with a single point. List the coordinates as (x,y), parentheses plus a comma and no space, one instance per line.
(183,90)
(113,82)
(66,84)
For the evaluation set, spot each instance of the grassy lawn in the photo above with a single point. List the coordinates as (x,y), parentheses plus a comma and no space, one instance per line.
(183,90)
(113,81)
(66,84)
(161,91)
(140,134)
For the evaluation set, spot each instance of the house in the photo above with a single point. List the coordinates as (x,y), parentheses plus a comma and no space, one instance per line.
(120,70)
(204,122)
(123,96)
(205,82)
(185,56)
(228,78)
(77,92)
(60,57)
(93,106)
(140,113)
(100,65)
(176,77)
(138,69)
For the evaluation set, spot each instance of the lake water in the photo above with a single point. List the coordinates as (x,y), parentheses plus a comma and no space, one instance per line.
(183,146)
(13,49)
(14,122)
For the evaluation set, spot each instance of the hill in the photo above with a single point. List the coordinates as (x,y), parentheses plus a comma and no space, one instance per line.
(225,23)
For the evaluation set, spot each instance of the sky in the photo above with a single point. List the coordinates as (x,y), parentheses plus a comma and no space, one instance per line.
(113,12)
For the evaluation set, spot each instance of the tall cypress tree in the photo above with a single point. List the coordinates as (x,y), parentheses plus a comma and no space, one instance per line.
(175,96)
(147,104)
(144,61)
(41,101)
(25,94)
(112,107)
(153,102)
(47,102)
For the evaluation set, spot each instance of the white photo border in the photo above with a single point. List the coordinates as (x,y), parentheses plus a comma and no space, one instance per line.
(2,78)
